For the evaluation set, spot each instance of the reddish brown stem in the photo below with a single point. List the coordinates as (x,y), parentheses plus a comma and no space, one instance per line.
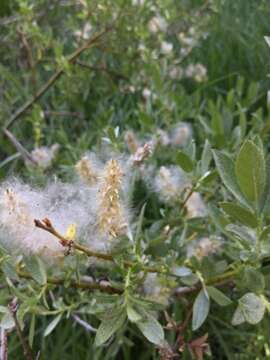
(13,307)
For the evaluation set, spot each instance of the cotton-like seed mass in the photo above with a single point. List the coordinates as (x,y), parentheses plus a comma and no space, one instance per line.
(198,72)
(203,247)
(195,206)
(43,156)
(64,204)
(170,182)
(19,205)
(181,134)
(157,23)
(160,138)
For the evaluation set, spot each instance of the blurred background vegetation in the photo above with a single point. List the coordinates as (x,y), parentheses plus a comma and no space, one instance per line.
(142,74)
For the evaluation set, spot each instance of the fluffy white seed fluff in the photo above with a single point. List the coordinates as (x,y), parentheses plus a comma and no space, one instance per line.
(157,23)
(85,33)
(64,204)
(166,48)
(43,156)
(170,182)
(181,134)
(198,72)
(195,206)
(161,137)
(202,247)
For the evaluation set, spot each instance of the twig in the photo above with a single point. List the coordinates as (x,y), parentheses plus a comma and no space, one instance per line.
(83,323)
(25,154)
(191,191)
(13,307)
(184,324)
(217,281)
(102,68)
(46,225)
(181,329)
(30,60)
(3,345)
(83,285)
(54,77)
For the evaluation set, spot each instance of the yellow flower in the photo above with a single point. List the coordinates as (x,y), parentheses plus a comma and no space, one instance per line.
(71,232)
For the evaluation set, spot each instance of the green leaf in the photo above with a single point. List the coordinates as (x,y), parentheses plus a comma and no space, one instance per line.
(36,268)
(266,195)
(181,271)
(267,40)
(32,330)
(132,314)
(242,232)
(250,308)
(240,214)
(257,140)
(9,270)
(152,330)
(190,280)
(200,309)
(3,309)
(108,327)
(139,230)
(184,161)
(217,217)
(265,233)
(52,325)
(7,321)
(218,296)
(207,177)
(250,171)
(253,279)
(206,157)
(225,168)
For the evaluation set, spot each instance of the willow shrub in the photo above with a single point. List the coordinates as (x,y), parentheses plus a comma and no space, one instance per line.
(134,202)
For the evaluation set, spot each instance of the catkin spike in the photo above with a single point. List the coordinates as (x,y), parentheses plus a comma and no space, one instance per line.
(86,171)
(110,212)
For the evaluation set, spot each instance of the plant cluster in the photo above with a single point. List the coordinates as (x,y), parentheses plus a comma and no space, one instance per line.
(134,202)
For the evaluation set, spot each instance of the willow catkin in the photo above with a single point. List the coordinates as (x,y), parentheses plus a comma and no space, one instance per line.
(110,213)
(86,170)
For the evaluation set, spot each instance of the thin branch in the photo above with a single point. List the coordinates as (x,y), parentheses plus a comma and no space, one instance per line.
(102,68)
(46,225)
(218,281)
(30,59)
(3,344)
(189,194)
(24,153)
(71,58)
(13,307)
(83,285)
(83,323)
